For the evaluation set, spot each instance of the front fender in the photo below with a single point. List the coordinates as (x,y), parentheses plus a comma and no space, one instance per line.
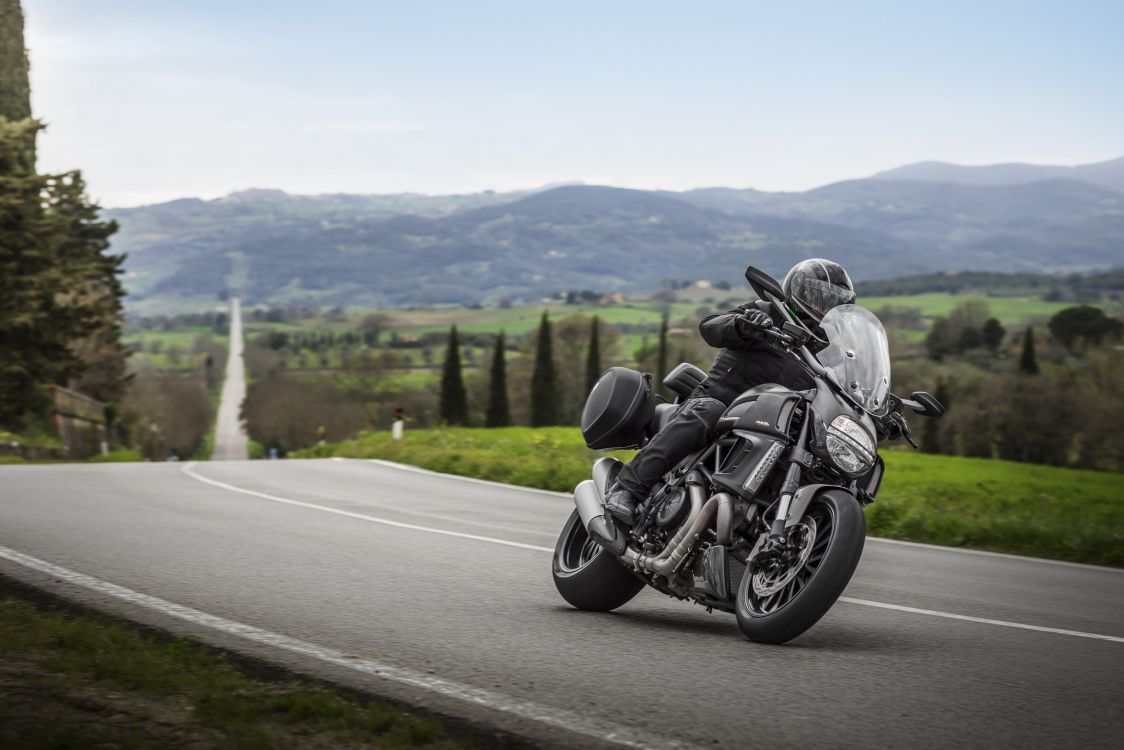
(804,496)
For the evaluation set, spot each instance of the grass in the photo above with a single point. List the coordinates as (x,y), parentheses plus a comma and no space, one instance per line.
(117,455)
(552,458)
(1063,514)
(77,680)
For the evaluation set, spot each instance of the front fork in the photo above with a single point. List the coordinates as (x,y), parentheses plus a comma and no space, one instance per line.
(776,543)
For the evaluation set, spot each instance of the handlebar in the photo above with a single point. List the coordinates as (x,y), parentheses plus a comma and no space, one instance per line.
(779,335)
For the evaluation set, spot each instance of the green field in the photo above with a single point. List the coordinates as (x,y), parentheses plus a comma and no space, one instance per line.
(174,347)
(640,311)
(1008,310)
(1064,514)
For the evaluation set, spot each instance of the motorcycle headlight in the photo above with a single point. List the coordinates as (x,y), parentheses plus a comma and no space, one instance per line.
(850,446)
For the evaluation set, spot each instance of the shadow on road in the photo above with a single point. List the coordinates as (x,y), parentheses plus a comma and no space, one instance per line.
(827,635)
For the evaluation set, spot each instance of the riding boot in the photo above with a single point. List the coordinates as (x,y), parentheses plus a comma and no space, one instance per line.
(689,430)
(621,504)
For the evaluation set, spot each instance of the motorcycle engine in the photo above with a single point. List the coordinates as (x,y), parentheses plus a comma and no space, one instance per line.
(673,508)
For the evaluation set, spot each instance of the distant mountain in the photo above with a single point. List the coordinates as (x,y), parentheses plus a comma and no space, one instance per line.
(937,215)
(276,248)
(1106,173)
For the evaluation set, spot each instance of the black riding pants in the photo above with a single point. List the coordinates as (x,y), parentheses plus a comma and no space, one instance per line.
(733,373)
(690,429)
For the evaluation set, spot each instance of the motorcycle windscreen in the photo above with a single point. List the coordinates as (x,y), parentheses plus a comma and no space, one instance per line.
(858,356)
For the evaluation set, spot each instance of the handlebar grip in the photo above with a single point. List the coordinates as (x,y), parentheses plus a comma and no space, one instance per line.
(777,334)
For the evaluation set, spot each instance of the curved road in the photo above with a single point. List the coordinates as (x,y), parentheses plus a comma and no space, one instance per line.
(436,590)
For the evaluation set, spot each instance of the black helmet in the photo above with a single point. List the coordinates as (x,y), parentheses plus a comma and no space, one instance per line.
(815,286)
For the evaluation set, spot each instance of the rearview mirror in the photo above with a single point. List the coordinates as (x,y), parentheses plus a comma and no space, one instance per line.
(763,282)
(930,407)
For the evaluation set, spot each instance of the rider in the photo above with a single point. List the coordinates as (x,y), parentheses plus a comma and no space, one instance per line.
(747,359)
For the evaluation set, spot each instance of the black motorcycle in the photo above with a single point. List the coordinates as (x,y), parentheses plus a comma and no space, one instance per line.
(766,521)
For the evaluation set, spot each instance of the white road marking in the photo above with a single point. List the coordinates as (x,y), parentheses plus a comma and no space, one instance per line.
(985,620)
(454,519)
(986,553)
(188,469)
(557,718)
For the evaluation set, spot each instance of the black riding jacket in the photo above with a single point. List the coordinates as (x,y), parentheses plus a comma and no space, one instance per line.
(745,363)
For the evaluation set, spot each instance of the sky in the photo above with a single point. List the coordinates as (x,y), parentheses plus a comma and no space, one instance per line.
(161,99)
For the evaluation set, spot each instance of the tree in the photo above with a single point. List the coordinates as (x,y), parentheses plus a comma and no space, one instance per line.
(593,359)
(60,296)
(15,89)
(374,324)
(57,287)
(661,357)
(1028,362)
(544,380)
(970,338)
(959,331)
(454,396)
(930,433)
(940,340)
(993,334)
(499,412)
(1083,323)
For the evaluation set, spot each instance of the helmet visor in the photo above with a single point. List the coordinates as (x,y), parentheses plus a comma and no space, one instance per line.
(820,296)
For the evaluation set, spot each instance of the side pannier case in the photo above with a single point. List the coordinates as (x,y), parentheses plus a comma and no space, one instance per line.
(618,410)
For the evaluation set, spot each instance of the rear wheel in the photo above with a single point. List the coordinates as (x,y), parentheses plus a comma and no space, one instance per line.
(586,575)
(780,603)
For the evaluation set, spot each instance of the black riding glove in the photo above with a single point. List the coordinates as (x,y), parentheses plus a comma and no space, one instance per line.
(751,323)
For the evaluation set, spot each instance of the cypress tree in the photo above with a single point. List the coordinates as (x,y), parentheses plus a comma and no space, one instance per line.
(593,360)
(499,414)
(1028,362)
(60,295)
(993,334)
(454,397)
(544,381)
(661,357)
(15,89)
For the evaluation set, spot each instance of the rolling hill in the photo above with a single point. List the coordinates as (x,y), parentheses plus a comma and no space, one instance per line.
(1106,173)
(276,248)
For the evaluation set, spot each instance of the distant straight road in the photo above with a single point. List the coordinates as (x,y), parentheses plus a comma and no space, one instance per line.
(436,590)
(230,435)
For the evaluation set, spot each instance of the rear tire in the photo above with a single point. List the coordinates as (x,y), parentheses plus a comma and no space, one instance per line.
(821,578)
(586,575)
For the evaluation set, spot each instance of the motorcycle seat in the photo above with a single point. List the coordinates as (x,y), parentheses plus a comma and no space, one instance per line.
(664,414)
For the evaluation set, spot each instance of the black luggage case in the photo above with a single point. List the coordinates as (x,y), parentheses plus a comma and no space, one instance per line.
(618,410)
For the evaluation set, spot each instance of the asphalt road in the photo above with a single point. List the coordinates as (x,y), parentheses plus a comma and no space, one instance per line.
(230,434)
(436,590)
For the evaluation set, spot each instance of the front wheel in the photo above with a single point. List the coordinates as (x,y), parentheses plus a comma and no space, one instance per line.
(586,575)
(780,603)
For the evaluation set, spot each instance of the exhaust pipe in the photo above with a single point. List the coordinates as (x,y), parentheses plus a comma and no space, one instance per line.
(668,561)
(591,509)
(592,512)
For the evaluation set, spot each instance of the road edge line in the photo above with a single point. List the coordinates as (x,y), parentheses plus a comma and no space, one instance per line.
(501,702)
(984,620)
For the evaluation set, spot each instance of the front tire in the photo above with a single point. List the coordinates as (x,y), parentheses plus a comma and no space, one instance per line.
(586,575)
(771,609)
